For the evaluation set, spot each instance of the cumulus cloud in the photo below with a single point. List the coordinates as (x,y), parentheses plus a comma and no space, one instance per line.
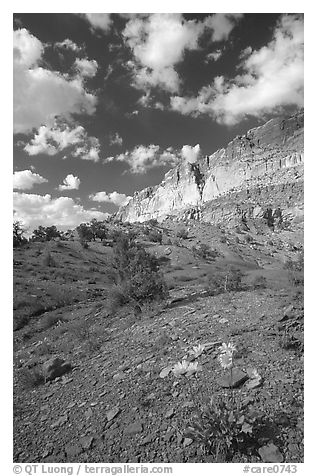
(68,44)
(143,158)
(34,210)
(190,154)
(51,140)
(41,95)
(89,151)
(272,77)
(159,40)
(70,182)
(116,139)
(26,179)
(99,21)
(87,68)
(214,56)
(119,199)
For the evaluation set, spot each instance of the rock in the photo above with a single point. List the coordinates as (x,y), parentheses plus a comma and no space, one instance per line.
(73,450)
(112,413)
(133,428)
(164,372)
(187,442)
(88,413)
(119,376)
(169,413)
(271,454)
(223,320)
(86,442)
(55,367)
(61,421)
(237,378)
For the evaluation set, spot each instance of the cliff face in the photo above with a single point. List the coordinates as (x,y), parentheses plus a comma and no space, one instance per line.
(267,159)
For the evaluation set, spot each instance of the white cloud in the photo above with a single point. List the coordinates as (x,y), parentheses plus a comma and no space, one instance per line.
(26,179)
(87,68)
(70,182)
(41,95)
(68,44)
(222,24)
(214,56)
(119,199)
(116,139)
(34,210)
(50,141)
(89,151)
(99,21)
(272,77)
(190,154)
(158,42)
(143,158)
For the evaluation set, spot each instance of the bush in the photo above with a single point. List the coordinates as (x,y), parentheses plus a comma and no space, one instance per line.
(259,282)
(84,244)
(224,281)
(30,378)
(155,235)
(137,271)
(204,251)
(182,233)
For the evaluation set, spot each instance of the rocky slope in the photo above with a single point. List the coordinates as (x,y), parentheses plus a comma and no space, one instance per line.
(261,172)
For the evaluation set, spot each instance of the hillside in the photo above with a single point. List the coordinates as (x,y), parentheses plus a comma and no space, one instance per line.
(261,169)
(114,403)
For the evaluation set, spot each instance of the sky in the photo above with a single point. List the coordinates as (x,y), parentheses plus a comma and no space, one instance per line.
(105,104)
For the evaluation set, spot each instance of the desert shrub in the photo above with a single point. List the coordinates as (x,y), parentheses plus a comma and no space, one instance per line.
(116,298)
(80,329)
(204,251)
(84,244)
(229,279)
(137,271)
(295,270)
(48,260)
(49,320)
(153,222)
(20,321)
(184,278)
(182,233)
(155,235)
(30,378)
(259,282)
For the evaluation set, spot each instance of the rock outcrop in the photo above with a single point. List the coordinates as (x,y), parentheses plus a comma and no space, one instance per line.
(257,173)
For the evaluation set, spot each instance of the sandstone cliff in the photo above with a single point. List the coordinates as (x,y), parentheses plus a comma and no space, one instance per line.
(263,168)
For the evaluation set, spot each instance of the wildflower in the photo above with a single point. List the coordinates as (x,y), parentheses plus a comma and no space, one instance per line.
(185,368)
(197,350)
(225,360)
(227,349)
(180,368)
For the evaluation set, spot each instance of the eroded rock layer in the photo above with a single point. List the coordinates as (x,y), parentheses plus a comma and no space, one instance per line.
(256,172)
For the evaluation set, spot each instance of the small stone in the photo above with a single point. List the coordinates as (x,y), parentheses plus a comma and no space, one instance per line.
(133,428)
(61,421)
(119,376)
(164,372)
(187,441)
(223,320)
(86,442)
(169,413)
(82,404)
(112,413)
(88,413)
(271,454)
(237,378)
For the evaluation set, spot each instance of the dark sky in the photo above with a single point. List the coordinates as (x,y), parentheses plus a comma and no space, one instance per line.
(137,89)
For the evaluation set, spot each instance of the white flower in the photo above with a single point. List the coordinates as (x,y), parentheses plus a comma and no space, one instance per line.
(185,368)
(197,350)
(225,360)
(227,348)
(180,368)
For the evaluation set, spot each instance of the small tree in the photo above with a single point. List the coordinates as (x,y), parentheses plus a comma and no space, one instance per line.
(138,271)
(18,232)
(85,232)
